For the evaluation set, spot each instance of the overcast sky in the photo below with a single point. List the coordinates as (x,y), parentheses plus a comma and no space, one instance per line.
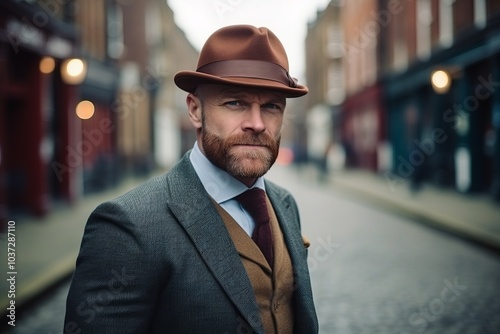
(286,18)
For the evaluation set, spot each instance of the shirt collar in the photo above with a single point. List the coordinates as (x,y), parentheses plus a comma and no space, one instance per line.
(219,184)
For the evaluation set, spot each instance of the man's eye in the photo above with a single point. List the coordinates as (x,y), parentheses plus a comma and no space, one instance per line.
(233,103)
(272,106)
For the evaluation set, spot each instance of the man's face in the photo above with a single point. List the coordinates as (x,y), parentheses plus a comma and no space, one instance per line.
(240,129)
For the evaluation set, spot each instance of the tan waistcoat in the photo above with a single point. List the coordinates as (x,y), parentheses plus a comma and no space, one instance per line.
(273,288)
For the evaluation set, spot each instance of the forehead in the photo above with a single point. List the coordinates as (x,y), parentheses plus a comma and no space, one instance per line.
(221,91)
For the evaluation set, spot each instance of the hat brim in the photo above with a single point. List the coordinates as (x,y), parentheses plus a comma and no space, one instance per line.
(190,80)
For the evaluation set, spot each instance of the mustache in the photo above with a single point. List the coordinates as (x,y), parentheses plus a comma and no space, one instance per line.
(260,139)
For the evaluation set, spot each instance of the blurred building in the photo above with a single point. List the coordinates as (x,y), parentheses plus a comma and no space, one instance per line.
(169,52)
(36,127)
(152,110)
(393,118)
(86,97)
(342,73)
(447,131)
(363,116)
(325,79)
(101,42)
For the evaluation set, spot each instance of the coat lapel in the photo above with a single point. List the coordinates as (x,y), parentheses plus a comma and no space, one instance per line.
(194,210)
(287,217)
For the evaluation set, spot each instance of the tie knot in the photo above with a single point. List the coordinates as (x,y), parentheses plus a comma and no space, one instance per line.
(254,202)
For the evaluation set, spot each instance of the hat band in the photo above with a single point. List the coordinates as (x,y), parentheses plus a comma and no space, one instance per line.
(255,69)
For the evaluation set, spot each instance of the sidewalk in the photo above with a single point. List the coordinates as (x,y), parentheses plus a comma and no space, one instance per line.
(46,249)
(474,217)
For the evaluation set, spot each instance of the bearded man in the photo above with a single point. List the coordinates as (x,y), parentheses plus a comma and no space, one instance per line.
(210,246)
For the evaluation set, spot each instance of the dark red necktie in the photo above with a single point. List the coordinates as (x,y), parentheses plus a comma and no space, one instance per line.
(254,202)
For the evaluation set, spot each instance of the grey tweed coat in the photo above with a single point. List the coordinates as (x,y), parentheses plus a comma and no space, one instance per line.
(159,259)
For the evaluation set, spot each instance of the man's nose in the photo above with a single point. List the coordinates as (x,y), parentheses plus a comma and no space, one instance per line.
(253,119)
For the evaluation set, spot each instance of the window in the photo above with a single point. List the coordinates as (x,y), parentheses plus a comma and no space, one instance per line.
(424,22)
(480,13)
(446,22)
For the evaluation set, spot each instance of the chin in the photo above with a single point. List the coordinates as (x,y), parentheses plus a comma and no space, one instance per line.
(249,168)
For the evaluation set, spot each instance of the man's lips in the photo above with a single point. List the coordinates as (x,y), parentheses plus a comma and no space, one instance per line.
(252,145)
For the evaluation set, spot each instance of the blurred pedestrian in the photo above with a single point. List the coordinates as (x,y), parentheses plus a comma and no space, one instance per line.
(203,249)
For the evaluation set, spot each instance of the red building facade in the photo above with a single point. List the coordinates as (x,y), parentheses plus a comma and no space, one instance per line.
(65,135)
(35,128)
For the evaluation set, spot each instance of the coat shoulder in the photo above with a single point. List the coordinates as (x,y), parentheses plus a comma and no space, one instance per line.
(277,192)
(154,193)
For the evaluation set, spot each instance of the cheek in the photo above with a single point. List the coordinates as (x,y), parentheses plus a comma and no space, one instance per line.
(275,125)
(221,127)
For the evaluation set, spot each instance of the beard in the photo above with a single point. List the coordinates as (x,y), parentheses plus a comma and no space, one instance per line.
(238,162)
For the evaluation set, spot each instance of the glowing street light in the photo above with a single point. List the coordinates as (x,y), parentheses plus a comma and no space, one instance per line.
(73,71)
(441,81)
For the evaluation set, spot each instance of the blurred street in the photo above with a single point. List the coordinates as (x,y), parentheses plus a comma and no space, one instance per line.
(373,271)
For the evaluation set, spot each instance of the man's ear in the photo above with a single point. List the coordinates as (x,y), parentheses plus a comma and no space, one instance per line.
(194,110)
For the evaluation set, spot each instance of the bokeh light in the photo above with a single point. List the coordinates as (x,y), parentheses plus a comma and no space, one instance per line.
(73,71)
(85,109)
(440,81)
(47,65)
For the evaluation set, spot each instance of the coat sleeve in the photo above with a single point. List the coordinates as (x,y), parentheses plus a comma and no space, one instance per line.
(113,289)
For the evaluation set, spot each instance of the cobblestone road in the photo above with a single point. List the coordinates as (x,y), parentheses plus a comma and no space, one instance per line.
(377,272)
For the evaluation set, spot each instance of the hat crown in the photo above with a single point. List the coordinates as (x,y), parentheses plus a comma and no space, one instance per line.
(243,42)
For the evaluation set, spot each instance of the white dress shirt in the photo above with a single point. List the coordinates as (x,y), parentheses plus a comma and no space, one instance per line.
(223,187)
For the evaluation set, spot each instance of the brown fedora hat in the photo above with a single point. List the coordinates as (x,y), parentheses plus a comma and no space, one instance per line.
(242,55)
